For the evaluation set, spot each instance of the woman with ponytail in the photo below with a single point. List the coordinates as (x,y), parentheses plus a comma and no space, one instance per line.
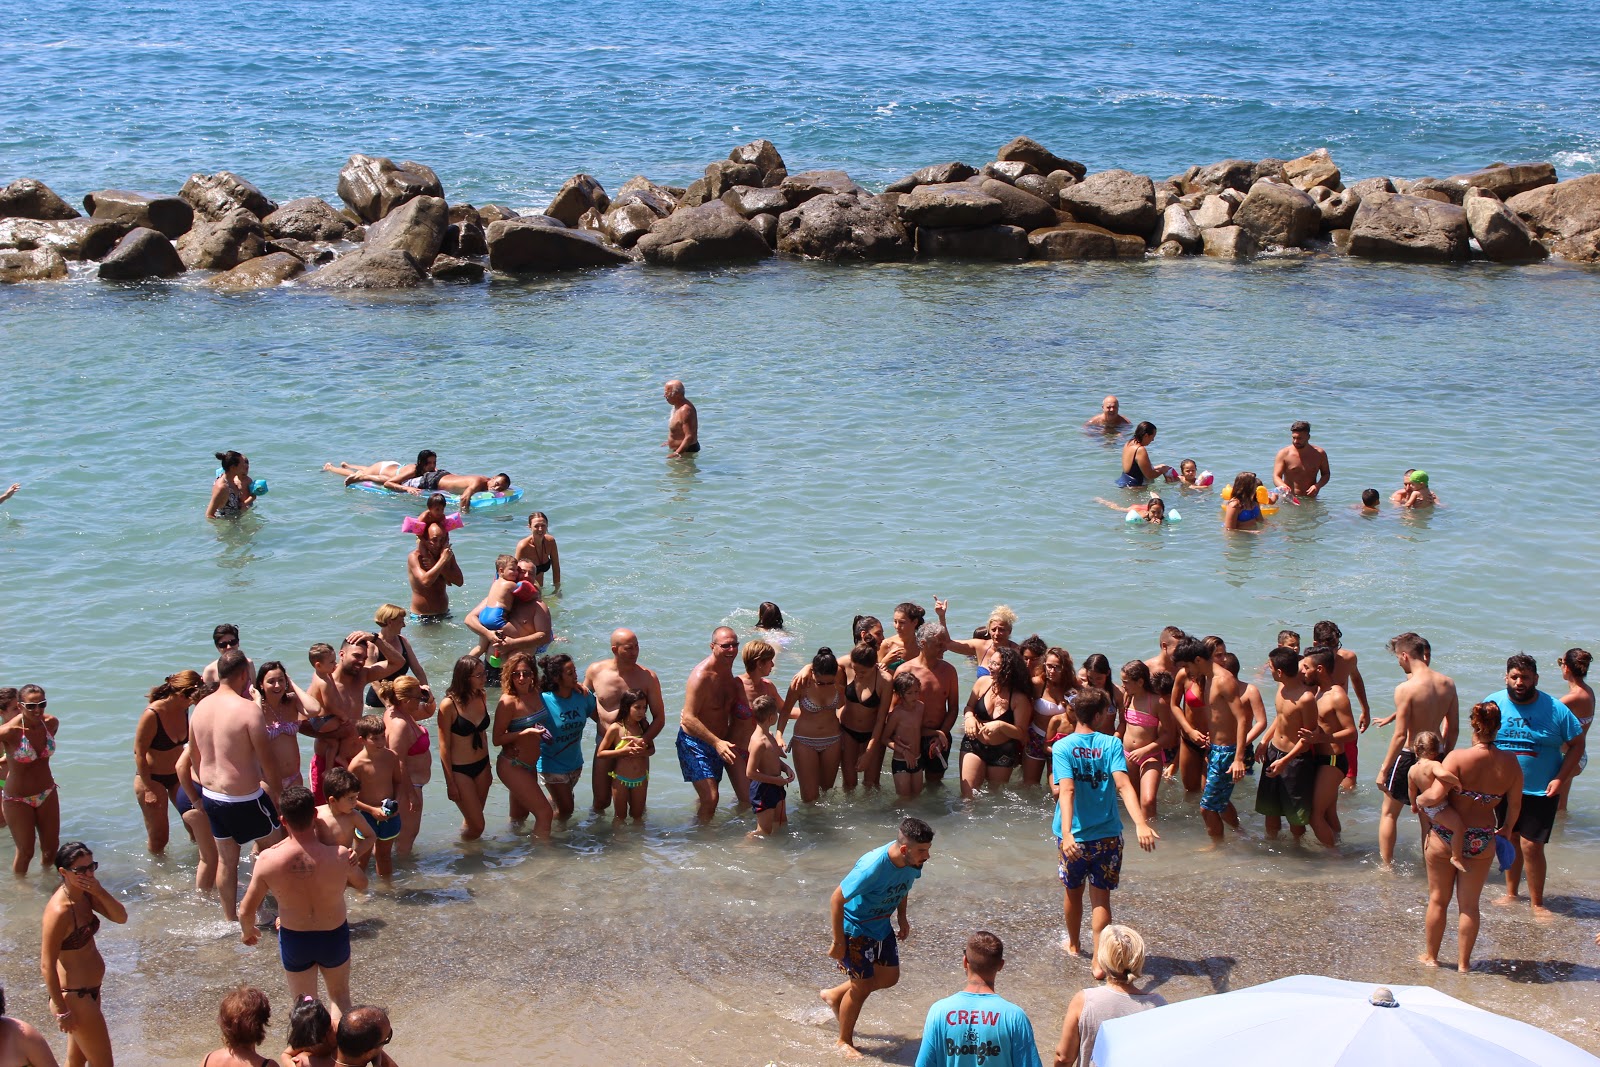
(1118,963)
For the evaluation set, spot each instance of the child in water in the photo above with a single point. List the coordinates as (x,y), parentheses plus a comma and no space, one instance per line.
(904,729)
(1189,476)
(624,744)
(766,770)
(1153,512)
(1414,491)
(385,787)
(336,820)
(1431,786)
(1369,500)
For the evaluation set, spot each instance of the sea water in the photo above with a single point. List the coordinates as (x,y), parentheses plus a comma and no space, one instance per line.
(872,434)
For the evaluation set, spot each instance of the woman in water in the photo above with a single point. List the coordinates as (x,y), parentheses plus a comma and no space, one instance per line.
(1118,963)
(570,707)
(1580,698)
(463,753)
(1137,469)
(815,699)
(69,960)
(902,645)
(519,734)
(1188,702)
(195,819)
(866,705)
(1060,685)
(995,724)
(1147,731)
(243,1020)
(389,645)
(232,491)
(1242,509)
(867,628)
(1033,648)
(1488,776)
(540,548)
(158,740)
(285,713)
(1002,620)
(759,659)
(376,473)
(405,704)
(32,803)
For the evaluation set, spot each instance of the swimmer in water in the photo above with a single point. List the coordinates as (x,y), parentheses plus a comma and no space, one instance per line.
(683,425)
(1189,476)
(1300,467)
(424,476)
(540,547)
(1154,512)
(1242,509)
(376,473)
(1369,500)
(1137,469)
(1414,493)
(11,492)
(232,491)
(1110,418)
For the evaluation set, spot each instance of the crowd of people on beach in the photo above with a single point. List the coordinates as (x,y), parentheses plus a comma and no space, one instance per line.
(221,747)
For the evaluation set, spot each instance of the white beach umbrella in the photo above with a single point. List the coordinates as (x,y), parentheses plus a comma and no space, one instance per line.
(1311,1021)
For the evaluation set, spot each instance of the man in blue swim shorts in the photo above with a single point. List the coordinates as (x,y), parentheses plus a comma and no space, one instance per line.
(1226,721)
(308,879)
(708,703)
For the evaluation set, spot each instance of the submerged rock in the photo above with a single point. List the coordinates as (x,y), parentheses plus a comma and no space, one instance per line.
(263,272)
(999,243)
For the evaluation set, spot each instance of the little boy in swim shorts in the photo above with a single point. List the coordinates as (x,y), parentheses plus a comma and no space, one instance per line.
(336,820)
(384,780)
(767,772)
(904,729)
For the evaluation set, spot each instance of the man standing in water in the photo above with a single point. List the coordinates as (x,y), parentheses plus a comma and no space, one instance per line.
(308,879)
(1425,702)
(941,701)
(608,679)
(224,637)
(1334,728)
(864,944)
(1109,419)
(1533,727)
(708,702)
(976,1025)
(432,572)
(1226,736)
(230,757)
(1301,468)
(1288,773)
(683,426)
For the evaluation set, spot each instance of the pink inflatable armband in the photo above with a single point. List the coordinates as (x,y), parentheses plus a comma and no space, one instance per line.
(1206,478)
(524,591)
(413,525)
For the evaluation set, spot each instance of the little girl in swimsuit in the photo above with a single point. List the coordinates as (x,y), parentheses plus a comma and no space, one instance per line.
(1144,734)
(1431,786)
(624,745)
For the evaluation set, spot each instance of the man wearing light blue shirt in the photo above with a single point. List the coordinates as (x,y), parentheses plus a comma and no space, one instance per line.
(976,1027)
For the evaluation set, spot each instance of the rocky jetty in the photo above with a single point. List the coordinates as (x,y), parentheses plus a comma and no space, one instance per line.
(398,229)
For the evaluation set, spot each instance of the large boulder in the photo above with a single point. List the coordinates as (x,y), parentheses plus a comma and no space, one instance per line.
(215,196)
(78,238)
(763,155)
(1083,240)
(1178,227)
(1278,215)
(543,244)
(950,204)
(491,213)
(143,253)
(578,194)
(1116,199)
(997,243)
(1229,242)
(224,243)
(752,200)
(725,174)
(808,183)
(934,174)
(1019,208)
(1395,226)
(1237,174)
(1214,211)
(1564,209)
(708,234)
(417,227)
(263,272)
(27,198)
(1027,150)
(309,218)
(1500,232)
(1314,170)
(39,265)
(388,269)
(844,226)
(171,215)
(1339,210)
(373,186)
(624,224)
(1506,180)
(641,190)
(1582,248)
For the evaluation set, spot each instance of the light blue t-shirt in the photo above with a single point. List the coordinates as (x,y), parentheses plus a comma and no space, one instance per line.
(1534,733)
(1089,760)
(564,718)
(977,1030)
(873,891)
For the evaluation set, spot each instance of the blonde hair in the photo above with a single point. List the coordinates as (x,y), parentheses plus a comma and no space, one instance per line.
(388,613)
(1002,613)
(756,651)
(1120,952)
(404,687)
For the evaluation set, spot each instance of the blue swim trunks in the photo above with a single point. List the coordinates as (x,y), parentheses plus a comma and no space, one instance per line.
(301,950)
(1100,862)
(864,955)
(697,759)
(765,796)
(380,829)
(1219,783)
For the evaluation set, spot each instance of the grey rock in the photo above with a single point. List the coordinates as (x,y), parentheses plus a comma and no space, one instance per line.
(1314,170)
(803,186)
(952,204)
(168,214)
(1500,232)
(416,227)
(1339,210)
(543,244)
(578,194)
(1394,226)
(1564,209)
(1008,170)
(752,200)
(143,253)
(1019,208)
(1278,215)
(841,226)
(1230,242)
(1116,199)
(387,269)
(997,243)
(309,218)
(1506,180)
(27,198)
(215,196)
(761,154)
(935,174)
(373,186)
(1038,185)
(78,238)
(708,234)
(1027,150)
(263,272)
(624,224)
(452,269)
(224,243)
(641,190)
(1177,227)
(39,265)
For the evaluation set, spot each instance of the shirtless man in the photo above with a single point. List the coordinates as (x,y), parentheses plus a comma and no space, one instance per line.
(528,625)
(230,756)
(224,637)
(1288,768)
(1301,468)
(1346,675)
(1334,729)
(21,1045)
(340,692)
(1425,702)
(708,702)
(432,572)
(1171,638)
(1109,419)
(424,476)
(683,425)
(939,691)
(608,679)
(1227,724)
(308,880)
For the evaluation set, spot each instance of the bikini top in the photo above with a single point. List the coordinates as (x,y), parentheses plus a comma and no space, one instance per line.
(81,936)
(871,700)
(811,706)
(277,728)
(462,728)
(981,711)
(1049,707)
(420,745)
(524,722)
(163,741)
(1144,719)
(1249,514)
(26,753)
(1482,798)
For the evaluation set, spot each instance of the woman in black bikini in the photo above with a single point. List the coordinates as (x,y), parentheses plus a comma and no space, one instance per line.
(158,741)
(866,705)
(243,1018)
(389,644)
(1137,469)
(73,969)
(1488,777)
(463,745)
(540,548)
(995,724)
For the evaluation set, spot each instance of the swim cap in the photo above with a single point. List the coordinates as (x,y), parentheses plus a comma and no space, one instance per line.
(1418,478)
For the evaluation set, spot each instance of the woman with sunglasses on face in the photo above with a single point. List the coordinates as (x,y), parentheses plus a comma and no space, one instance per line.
(69,959)
(32,803)
(520,733)
(158,741)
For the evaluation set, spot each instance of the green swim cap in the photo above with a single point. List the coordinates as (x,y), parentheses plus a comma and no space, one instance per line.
(1418,478)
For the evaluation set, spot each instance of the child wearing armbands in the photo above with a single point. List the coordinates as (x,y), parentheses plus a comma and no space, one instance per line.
(508,586)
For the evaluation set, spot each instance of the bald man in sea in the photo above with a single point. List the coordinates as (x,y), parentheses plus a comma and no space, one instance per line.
(683,426)
(608,679)
(1110,418)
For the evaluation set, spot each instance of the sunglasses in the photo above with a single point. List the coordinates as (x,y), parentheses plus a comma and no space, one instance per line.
(522,674)
(727,644)
(88,869)
(225,645)
(34,705)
